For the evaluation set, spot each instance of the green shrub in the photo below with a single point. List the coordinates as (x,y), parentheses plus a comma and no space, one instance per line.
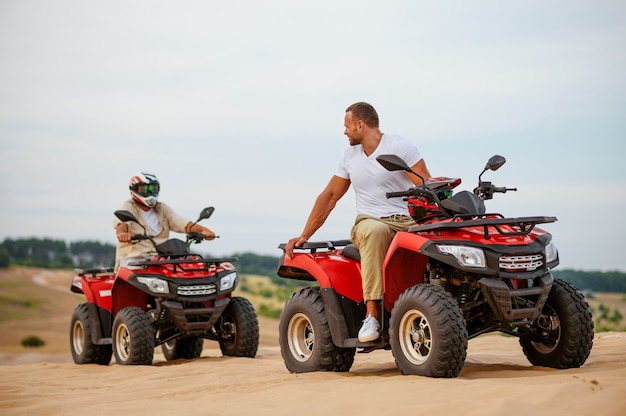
(33,341)
(607,319)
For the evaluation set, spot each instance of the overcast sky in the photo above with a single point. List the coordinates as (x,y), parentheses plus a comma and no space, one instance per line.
(240,105)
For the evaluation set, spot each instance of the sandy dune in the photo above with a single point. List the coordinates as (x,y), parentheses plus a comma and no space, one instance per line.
(497,380)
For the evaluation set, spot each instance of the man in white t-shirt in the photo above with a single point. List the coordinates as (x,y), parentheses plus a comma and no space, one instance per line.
(157,218)
(378,218)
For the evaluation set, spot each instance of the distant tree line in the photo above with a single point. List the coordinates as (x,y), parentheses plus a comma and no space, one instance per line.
(612,282)
(49,253)
(250,263)
(57,254)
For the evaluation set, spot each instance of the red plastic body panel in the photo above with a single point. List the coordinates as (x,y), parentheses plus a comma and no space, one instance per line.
(477,235)
(331,269)
(403,266)
(97,289)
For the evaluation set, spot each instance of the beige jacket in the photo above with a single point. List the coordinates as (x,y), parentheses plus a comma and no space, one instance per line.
(168,220)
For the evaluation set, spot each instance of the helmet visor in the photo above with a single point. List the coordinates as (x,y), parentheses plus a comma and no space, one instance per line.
(146,189)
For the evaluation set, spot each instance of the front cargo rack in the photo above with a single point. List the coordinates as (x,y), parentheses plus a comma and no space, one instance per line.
(524,224)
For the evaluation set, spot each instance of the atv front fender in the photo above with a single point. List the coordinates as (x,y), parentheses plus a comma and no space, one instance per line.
(124,295)
(404,265)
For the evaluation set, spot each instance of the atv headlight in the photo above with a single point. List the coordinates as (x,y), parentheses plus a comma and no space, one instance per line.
(155,285)
(467,256)
(551,252)
(228,281)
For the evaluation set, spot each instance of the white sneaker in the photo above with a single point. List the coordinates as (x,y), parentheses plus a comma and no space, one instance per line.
(370,330)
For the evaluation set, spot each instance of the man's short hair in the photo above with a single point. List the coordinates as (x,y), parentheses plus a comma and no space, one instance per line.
(364,111)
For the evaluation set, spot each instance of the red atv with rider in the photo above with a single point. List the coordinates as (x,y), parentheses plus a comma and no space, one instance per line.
(175,299)
(459,272)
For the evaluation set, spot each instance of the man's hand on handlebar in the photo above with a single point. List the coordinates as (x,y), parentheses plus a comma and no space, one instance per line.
(122,233)
(197,229)
(209,235)
(198,236)
(124,237)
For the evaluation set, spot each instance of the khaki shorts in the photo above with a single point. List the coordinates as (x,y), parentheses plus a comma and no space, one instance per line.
(372,237)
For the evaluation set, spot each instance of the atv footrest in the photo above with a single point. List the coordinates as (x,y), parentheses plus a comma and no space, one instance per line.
(367,346)
(104,341)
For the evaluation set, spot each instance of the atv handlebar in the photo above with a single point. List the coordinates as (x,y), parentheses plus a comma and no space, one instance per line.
(142,237)
(197,237)
(485,190)
(192,237)
(397,194)
(415,192)
(504,189)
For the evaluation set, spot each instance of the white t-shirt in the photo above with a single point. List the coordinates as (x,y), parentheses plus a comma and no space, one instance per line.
(152,220)
(372,181)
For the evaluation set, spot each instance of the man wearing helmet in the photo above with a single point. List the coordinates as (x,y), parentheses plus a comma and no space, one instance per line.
(157,218)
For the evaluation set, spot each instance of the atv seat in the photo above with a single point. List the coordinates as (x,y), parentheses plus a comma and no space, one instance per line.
(350,251)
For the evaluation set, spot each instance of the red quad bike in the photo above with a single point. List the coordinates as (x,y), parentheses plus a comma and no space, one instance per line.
(175,299)
(458,273)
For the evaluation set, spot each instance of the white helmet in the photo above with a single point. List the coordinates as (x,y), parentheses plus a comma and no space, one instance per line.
(144,189)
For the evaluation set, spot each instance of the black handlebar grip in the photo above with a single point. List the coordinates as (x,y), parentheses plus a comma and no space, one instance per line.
(503,189)
(396,194)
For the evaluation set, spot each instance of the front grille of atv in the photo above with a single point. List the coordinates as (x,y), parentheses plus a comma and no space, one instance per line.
(521,263)
(196,290)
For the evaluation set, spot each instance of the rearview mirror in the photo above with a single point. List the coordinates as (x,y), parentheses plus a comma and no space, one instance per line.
(125,216)
(393,162)
(495,162)
(206,213)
